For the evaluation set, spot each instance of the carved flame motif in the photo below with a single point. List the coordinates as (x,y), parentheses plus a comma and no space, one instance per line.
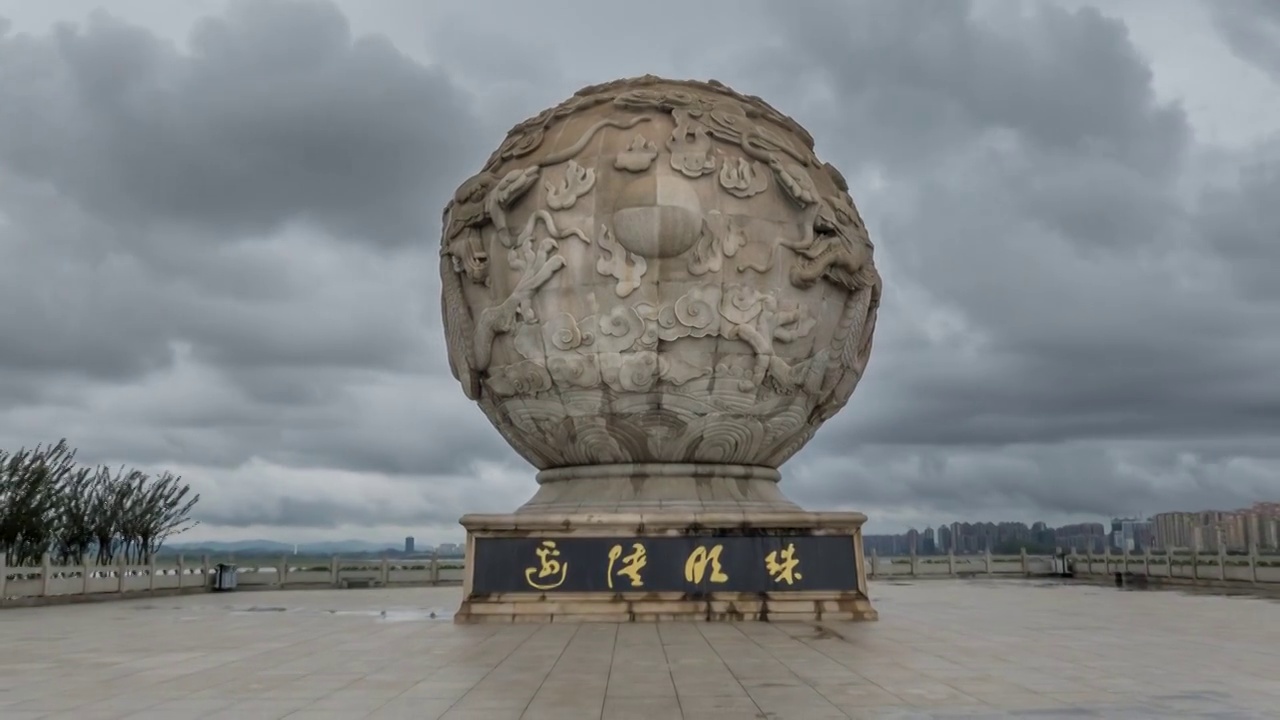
(619,263)
(742,178)
(577,182)
(638,156)
(718,308)
(691,151)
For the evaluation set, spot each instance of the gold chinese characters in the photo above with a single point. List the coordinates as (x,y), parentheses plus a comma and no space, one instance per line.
(782,565)
(548,567)
(631,564)
(695,568)
(628,567)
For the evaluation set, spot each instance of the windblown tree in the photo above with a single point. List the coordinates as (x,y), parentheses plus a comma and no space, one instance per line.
(110,501)
(49,505)
(154,509)
(73,517)
(29,493)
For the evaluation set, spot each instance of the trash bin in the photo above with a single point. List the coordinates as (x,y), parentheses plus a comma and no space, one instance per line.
(224,578)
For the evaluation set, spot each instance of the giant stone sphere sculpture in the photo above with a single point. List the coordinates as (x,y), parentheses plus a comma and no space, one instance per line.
(657,293)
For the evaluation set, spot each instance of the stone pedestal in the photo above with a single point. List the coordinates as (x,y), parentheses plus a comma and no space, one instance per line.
(649,487)
(667,564)
(658,293)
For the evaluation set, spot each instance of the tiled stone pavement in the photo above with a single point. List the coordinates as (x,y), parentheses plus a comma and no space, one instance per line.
(943,648)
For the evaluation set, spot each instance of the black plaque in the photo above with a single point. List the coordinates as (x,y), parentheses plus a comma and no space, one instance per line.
(692,565)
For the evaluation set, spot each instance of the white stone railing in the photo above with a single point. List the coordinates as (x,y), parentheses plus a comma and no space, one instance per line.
(951,565)
(1254,568)
(24,585)
(49,582)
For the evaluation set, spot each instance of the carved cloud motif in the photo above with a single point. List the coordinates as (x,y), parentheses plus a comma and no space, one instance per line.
(577,182)
(566,334)
(581,371)
(523,378)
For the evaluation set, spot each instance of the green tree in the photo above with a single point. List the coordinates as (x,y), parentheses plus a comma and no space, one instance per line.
(49,505)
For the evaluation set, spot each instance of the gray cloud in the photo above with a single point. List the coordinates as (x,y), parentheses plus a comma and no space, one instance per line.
(224,252)
(201,196)
(291,512)
(276,114)
(217,253)
(1252,27)
(1033,186)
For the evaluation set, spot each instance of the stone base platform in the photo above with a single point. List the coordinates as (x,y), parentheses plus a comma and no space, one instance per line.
(664,566)
(665,607)
(654,487)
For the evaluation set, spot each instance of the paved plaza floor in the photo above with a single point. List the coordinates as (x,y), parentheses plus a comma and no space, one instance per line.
(942,648)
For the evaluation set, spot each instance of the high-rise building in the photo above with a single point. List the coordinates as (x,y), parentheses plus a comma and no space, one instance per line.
(913,542)
(1131,534)
(944,539)
(1255,526)
(1081,537)
(1173,530)
(408,545)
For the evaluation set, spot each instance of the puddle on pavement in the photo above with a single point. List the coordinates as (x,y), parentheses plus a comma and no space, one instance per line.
(1096,585)
(390,615)
(399,615)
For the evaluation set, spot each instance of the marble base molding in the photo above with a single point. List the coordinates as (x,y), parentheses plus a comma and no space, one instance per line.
(646,487)
(664,565)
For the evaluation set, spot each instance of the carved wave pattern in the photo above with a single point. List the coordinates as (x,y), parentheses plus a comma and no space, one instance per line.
(585,427)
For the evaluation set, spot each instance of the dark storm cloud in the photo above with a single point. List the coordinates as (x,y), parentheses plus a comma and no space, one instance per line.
(139,185)
(1076,343)
(1240,221)
(276,113)
(910,82)
(1030,481)
(1030,190)
(1252,27)
(81,296)
(185,267)
(222,255)
(301,512)
(329,498)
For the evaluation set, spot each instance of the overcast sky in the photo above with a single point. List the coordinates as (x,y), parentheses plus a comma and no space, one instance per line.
(219,226)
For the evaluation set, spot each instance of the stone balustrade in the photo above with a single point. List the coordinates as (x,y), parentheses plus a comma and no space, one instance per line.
(53,583)
(950,565)
(1194,568)
(1252,569)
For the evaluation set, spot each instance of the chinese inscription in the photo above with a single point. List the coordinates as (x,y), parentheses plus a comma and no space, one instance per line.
(693,564)
(548,566)
(631,564)
(782,565)
(696,566)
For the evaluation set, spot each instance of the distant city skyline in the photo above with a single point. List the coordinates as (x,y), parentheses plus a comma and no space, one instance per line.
(1080,534)
(1205,530)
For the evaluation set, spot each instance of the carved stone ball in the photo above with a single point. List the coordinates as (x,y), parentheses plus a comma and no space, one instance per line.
(657,272)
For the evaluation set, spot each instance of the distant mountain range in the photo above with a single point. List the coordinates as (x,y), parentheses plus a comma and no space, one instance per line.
(213,547)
